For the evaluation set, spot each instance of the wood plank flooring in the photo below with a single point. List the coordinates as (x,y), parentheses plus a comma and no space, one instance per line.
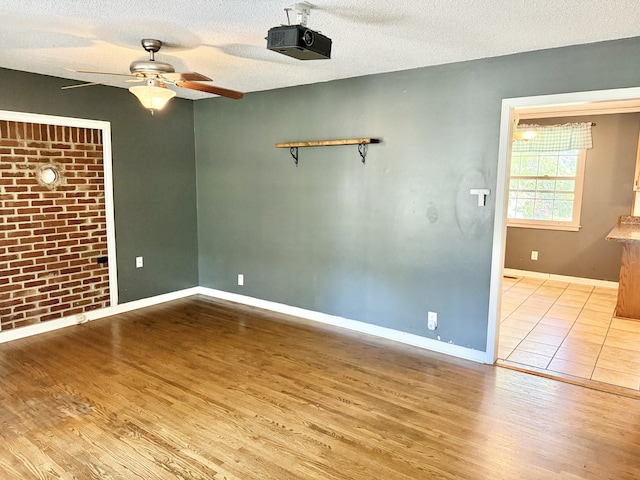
(205,389)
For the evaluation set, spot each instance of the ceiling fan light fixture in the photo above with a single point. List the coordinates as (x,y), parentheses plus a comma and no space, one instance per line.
(153,96)
(525,135)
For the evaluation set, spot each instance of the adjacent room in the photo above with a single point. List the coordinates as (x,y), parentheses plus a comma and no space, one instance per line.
(273,241)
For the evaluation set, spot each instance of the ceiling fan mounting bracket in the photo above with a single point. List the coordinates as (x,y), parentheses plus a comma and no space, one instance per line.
(151,45)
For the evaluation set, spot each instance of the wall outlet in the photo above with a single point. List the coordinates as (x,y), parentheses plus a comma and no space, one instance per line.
(534,255)
(139,262)
(432,320)
(240,279)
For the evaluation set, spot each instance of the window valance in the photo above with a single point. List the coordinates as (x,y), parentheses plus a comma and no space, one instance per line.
(555,138)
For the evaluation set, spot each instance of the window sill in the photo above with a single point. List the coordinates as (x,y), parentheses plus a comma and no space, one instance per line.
(542,226)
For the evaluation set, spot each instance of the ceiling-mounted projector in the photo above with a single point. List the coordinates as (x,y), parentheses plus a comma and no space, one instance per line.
(298,41)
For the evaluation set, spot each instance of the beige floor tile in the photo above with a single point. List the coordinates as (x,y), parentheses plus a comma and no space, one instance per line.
(621,342)
(556,330)
(579,287)
(530,359)
(535,347)
(545,338)
(538,305)
(556,284)
(577,356)
(532,308)
(594,318)
(599,308)
(570,368)
(583,347)
(508,342)
(606,291)
(504,352)
(532,281)
(558,322)
(620,353)
(627,325)
(616,378)
(633,337)
(515,296)
(565,313)
(586,337)
(590,328)
(518,323)
(514,332)
(618,365)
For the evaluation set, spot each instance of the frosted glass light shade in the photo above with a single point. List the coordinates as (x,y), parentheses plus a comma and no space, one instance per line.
(152,97)
(525,135)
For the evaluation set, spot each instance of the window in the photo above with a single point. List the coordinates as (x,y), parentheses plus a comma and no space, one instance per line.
(545,189)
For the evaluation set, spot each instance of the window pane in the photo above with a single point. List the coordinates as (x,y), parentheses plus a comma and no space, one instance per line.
(529,166)
(548,166)
(565,196)
(566,185)
(567,165)
(524,209)
(527,184)
(515,166)
(563,211)
(543,210)
(546,185)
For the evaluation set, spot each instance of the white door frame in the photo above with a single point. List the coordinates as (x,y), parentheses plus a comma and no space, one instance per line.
(504,152)
(107,160)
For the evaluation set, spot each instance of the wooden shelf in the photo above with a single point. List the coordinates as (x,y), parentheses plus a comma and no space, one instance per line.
(360,142)
(328,143)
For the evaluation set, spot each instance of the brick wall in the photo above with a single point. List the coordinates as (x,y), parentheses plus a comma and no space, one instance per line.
(52,223)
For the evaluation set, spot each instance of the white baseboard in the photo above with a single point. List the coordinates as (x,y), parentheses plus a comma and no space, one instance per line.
(362,327)
(51,325)
(354,325)
(560,278)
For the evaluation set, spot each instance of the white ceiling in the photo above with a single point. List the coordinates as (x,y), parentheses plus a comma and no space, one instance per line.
(225,39)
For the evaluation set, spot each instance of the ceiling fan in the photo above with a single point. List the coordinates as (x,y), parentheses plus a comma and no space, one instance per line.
(154,95)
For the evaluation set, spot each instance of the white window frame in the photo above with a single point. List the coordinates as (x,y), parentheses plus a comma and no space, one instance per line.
(572,226)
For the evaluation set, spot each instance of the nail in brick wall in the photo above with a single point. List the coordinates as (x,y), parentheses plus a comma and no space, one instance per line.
(52,223)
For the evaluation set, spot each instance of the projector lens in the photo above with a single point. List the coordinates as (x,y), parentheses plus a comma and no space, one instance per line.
(307,37)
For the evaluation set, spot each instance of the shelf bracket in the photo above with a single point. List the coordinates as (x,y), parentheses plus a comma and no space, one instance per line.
(294,153)
(362,150)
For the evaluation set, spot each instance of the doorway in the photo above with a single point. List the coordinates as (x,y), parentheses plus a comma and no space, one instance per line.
(626,100)
(57,230)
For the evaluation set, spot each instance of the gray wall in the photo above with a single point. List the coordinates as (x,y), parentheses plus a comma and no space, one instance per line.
(154,176)
(385,242)
(608,185)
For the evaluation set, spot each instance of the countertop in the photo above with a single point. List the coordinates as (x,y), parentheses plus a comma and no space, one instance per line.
(626,230)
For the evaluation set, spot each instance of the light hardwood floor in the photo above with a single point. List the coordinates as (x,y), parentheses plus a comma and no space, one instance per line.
(570,329)
(205,389)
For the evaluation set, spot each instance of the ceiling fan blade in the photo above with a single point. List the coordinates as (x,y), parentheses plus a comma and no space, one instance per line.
(67,87)
(186,77)
(98,73)
(223,92)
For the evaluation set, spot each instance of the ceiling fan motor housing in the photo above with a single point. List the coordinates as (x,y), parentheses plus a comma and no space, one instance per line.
(150,67)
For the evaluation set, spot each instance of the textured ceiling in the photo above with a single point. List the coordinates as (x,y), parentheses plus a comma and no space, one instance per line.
(225,39)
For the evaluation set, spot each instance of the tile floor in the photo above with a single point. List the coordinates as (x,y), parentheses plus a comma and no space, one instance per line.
(570,329)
